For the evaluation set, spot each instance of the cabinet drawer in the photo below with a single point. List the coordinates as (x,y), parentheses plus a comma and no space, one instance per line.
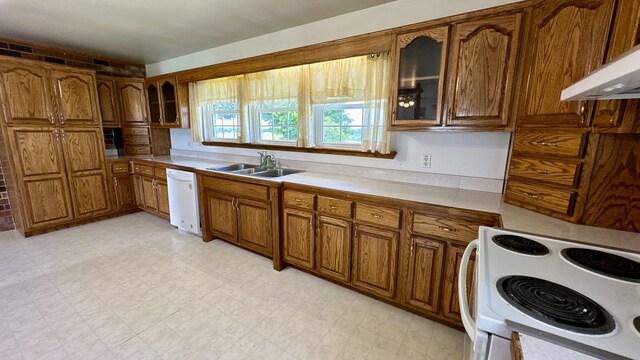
(143,169)
(454,229)
(244,190)
(550,143)
(299,199)
(331,206)
(558,200)
(136,131)
(378,215)
(160,173)
(119,168)
(137,150)
(137,140)
(559,172)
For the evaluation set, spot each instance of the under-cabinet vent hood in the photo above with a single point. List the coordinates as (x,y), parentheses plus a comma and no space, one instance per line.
(619,79)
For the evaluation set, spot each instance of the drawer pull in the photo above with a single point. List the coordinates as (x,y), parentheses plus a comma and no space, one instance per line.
(377,216)
(298,200)
(544,172)
(533,196)
(443,228)
(543,143)
(333,207)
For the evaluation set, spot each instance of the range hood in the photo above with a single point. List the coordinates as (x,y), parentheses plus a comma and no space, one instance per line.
(619,79)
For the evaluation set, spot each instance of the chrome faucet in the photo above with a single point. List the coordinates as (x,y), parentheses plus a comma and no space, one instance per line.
(267,161)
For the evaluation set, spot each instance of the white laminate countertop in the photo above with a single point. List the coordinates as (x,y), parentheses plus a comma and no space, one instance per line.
(513,217)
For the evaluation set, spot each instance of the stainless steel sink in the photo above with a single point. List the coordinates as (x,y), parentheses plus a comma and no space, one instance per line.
(249,171)
(276,172)
(234,167)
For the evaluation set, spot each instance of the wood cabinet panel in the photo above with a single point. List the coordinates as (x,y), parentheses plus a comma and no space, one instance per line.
(83,149)
(76,94)
(133,106)
(245,190)
(26,94)
(298,236)
(46,201)
(546,197)
(125,195)
(482,66)
(222,217)
(107,101)
(37,150)
(424,274)
(567,40)
(119,168)
(136,131)
(334,207)
(299,199)
(138,190)
(90,193)
(546,143)
(149,194)
(168,90)
(254,225)
(450,302)
(565,173)
(333,248)
(378,215)
(375,256)
(162,193)
(137,140)
(137,150)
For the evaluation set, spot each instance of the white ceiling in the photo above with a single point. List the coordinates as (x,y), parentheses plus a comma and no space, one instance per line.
(149,31)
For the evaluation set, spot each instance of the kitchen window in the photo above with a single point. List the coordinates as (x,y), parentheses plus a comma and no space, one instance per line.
(340,104)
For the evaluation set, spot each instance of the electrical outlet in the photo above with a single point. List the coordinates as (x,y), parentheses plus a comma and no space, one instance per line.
(426,161)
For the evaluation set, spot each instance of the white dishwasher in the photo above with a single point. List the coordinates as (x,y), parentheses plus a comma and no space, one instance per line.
(183,200)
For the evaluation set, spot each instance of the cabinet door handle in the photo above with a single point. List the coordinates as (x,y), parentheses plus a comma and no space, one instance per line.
(298,201)
(583,112)
(544,172)
(449,113)
(61,117)
(543,143)
(377,216)
(50,117)
(444,228)
(115,182)
(57,132)
(62,132)
(333,207)
(533,196)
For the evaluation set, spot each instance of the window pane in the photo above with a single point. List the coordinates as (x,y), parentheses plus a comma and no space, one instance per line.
(279,125)
(331,134)
(352,135)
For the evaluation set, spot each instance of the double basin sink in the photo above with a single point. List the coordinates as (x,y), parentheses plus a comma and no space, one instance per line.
(254,170)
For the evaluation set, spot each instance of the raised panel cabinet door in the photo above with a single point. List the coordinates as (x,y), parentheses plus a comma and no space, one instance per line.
(424,273)
(107,101)
(482,71)
(450,302)
(375,258)
(77,101)
(124,191)
(298,238)
(567,41)
(83,150)
(26,94)
(41,174)
(254,225)
(133,107)
(138,190)
(418,71)
(148,185)
(163,198)
(333,248)
(222,215)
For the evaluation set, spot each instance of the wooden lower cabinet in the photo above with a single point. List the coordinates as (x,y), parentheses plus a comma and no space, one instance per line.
(149,196)
(151,191)
(450,303)
(254,225)
(374,264)
(298,238)
(162,195)
(137,189)
(222,219)
(125,195)
(333,248)
(424,274)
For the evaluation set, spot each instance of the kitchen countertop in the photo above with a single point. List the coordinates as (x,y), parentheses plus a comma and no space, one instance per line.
(513,217)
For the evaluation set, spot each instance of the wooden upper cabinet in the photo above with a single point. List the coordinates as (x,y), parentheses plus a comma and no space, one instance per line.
(108,103)
(26,94)
(567,41)
(132,102)
(375,259)
(420,59)
(77,101)
(155,107)
(83,150)
(482,70)
(169,100)
(43,184)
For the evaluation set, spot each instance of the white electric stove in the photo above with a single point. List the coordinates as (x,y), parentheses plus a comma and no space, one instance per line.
(583,297)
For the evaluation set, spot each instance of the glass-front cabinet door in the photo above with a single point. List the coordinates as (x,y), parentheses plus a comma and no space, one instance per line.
(420,61)
(155,112)
(168,93)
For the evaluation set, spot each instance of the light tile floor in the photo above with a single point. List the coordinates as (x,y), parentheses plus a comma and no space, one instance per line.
(134,287)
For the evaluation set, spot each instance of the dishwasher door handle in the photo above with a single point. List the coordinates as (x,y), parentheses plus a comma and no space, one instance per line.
(465,313)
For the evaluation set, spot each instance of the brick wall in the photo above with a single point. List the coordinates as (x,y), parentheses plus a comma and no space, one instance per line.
(101,65)
(6,217)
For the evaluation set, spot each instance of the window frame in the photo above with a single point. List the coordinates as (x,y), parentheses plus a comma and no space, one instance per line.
(209,122)
(255,126)
(318,110)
